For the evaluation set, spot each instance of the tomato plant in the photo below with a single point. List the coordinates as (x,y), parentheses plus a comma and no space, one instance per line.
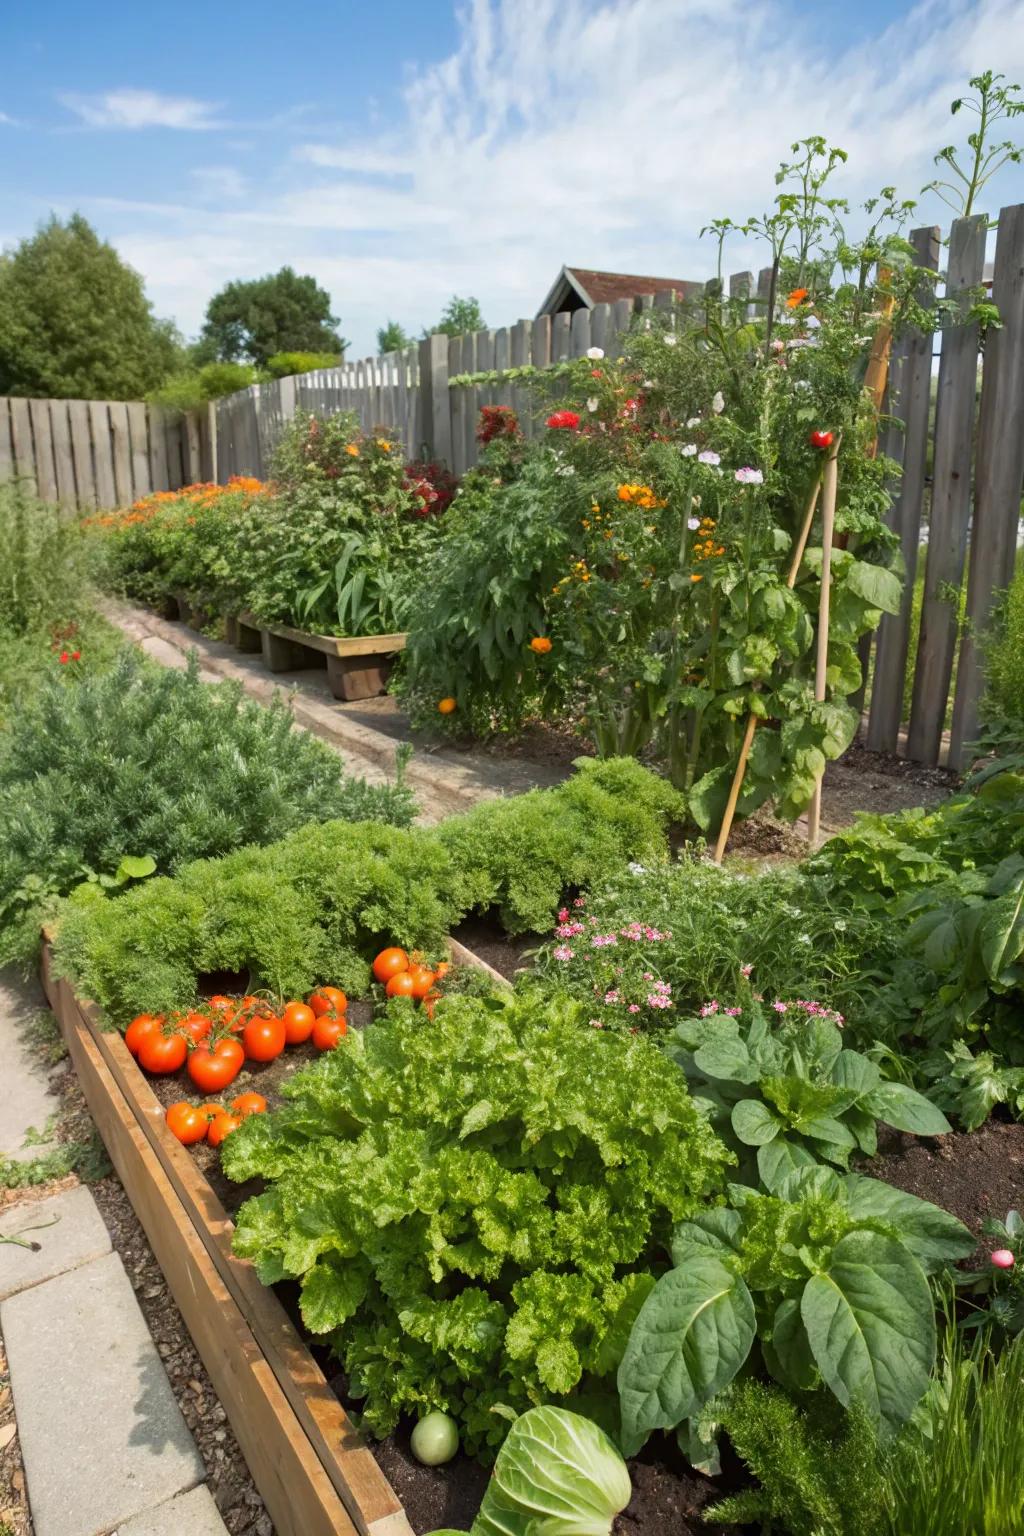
(196,1026)
(298,1020)
(422,979)
(327,1032)
(142,1025)
(326,999)
(402,984)
(161,1052)
(249,1104)
(389,963)
(187,1122)
(214,1066)
(221,1126)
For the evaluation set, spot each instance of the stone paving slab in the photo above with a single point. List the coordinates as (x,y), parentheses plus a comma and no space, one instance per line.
(69,1230)
(26,1102)
(101,1434)
(190,1514)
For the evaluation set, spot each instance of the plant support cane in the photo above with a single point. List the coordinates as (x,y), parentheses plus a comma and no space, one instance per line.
(828,518)
(748,735)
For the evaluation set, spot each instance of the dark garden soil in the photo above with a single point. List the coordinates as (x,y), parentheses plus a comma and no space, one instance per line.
(488,940)
(973,1174)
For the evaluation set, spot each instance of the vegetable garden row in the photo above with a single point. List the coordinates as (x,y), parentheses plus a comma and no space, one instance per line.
(676,1217)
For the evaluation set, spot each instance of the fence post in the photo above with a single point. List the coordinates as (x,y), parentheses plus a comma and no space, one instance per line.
(437,419)
(999,472)
(910,382)
(951,496)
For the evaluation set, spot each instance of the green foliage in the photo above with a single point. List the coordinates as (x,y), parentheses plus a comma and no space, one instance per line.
(1003,702)
(190,389)
(471,1208)
(1001,1290)
(819,1471)
(146,761)
(314,907)
(792,1090)
(829,1272)
(458,318)
(282,364)
(556,1468)
(282,312)
(993,104)
(75,321)
(44,563)
(392,338)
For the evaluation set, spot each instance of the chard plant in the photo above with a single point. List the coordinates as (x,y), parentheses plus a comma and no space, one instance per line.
(828,1274)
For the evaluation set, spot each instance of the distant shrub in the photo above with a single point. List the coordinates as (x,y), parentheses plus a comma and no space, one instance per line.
(43,562)
(282,364)
(1003,703)
(190,390)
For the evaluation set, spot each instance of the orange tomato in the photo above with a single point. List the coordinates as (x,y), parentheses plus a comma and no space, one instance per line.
(160,1053)
(248,1104)
(263,1038)
(220,1127)
(212,1110)
(326,999)
(213,1067)
(423,979)
(403,984)
(196,1026)
(447,706)
(186,1122)
(221,1005)
(142,1025)
(298,1021)
(442,969)
(327,1032)
(389,963)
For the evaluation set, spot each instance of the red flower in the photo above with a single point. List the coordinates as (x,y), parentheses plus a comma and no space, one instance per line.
(64,658)
(820,438)
(564,420)
(497,421)
(76,655)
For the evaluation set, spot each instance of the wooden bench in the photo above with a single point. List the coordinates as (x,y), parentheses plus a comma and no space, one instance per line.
(357,667)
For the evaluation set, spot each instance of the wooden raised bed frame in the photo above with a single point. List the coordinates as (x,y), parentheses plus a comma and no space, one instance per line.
(357,668)
(313,1470)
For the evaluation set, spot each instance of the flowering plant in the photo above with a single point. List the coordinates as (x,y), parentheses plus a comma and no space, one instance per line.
(1000,1281)
(614,967)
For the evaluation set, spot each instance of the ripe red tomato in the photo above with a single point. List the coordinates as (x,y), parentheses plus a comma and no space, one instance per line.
(161,1053)
(263,1038)
(328,1000)
(212,1067)
(327,1032)
(142,1025)
(187,1122)
(820,438)
(196,1026)
(211,1109)
(298,1021)
(222,1126)
(390,962)
(403,984)
(248,1104)
(221,1006)
(423,979)
(442,968)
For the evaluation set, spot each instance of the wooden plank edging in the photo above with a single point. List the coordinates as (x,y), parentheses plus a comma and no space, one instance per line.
(331,645)
(314,1472)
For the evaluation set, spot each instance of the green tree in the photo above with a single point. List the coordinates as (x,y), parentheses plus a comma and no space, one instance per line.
(392,338)
(75,321)
(459,317)
(282,312)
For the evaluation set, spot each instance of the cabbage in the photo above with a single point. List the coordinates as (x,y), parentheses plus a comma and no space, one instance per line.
(556,1475)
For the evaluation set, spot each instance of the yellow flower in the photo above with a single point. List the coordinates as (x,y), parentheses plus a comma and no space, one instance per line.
(585,522)
(352,449)
(383,445)
(594,507)
(695,576)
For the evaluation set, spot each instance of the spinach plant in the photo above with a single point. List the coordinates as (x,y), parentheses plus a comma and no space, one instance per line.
(792,1090)
(829,1273)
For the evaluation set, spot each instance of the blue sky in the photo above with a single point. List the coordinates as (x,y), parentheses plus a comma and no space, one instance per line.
(411,149)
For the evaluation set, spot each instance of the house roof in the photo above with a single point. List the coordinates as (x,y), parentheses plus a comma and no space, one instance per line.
(593,287)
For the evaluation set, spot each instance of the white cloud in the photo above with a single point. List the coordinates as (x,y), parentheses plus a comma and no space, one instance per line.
(564,131)
(140,109)
(214,182)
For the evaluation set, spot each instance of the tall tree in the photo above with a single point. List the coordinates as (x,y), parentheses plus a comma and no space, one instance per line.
(75,321)
(392,338)
(282,312)
(459,317)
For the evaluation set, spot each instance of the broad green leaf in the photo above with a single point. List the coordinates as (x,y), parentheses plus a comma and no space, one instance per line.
(616,1337)
(693,1334)
(906,1109)
(136,868)
(778,1159)
(788,1352)
(933,1236)
(1001,934)
(330,1295)
(856,1072)
(726,1059)
(718,1229)
(862,1124)
(754,1122)
(834,1135)
(877,586)
(870,1323)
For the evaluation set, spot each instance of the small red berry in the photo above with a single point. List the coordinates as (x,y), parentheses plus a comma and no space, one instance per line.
(821,439)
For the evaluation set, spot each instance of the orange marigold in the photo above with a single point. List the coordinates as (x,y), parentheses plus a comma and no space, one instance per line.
(540,645)
(796,298)
(445,706)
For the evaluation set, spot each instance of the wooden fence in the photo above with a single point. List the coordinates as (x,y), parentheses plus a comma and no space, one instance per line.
(101,453)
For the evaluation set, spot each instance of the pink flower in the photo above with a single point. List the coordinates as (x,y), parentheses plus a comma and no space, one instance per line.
(748,476)
(708,1009)
(1002,1258)
(596,1024)
(563,952)
(733,1012)
(634,1008)
(580,901)
(563,915)
(612,996)
(658,1000)
(745,970)
(603,940)
(779,1007)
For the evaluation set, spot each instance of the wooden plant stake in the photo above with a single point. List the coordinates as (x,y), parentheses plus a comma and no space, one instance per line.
(828,517)
(748,735)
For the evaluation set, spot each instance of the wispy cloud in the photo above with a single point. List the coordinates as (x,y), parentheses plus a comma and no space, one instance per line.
(566,131)
(219,181)
(140,109)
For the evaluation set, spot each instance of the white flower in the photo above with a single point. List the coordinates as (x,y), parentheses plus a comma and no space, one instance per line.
(802,384)
(593,403)
(707,457)
(670,339)
(748,476)
(565,469)
(688,450)
(595,352)
(693,523)
(812,323)
(637,869)
(694,421)
(648,384)
(718,403)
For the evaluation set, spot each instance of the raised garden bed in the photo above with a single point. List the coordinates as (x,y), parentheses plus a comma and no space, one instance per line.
(357,668)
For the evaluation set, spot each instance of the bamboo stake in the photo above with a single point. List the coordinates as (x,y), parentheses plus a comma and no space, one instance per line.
(748,735)
(828,516)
